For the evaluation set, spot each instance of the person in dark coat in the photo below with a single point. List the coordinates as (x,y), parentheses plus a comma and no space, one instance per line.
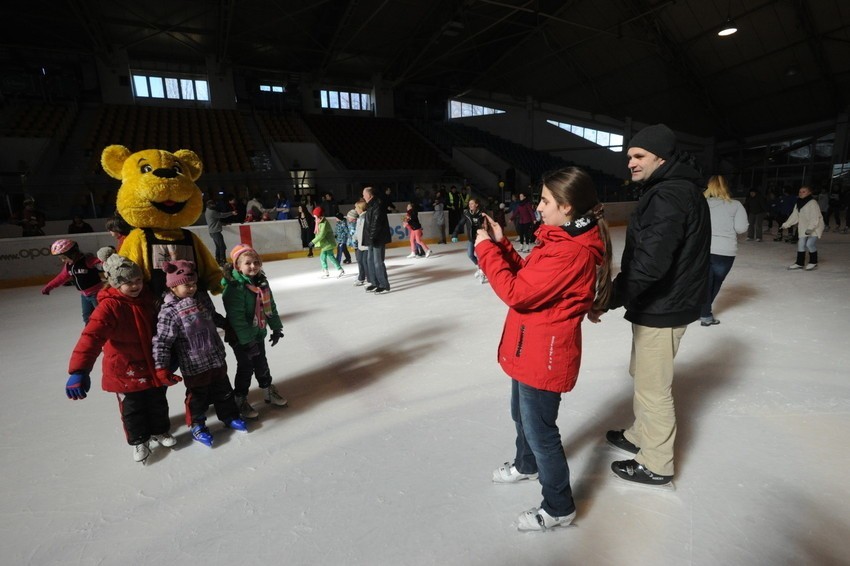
(756,208)
(376,235)
(662,283)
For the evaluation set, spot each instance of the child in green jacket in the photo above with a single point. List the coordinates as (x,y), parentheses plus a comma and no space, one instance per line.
(250,311)
(326,242)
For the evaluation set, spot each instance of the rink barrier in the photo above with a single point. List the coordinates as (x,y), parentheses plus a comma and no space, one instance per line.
(27,261)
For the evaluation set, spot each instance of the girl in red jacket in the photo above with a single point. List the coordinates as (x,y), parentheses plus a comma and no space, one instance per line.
(548,294)
(122,326)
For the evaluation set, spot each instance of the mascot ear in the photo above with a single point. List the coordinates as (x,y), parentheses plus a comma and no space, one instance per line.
(112,159)
(192,162)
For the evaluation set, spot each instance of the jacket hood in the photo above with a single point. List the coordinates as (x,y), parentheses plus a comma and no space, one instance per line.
(588,239)
(682,165)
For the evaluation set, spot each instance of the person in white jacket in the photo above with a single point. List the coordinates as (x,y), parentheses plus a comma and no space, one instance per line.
(728,219)
(809,220)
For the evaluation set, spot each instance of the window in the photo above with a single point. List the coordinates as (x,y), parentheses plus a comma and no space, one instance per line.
(173,88)
(609,140)
(346,100)
(279,89)
(458,109)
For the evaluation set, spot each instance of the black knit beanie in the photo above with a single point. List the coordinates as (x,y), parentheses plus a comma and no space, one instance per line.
(658,139)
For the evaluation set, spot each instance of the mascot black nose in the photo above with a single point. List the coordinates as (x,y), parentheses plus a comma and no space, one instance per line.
(167,173)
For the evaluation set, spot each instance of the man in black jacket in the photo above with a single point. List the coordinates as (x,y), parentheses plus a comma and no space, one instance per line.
(376,235)
(662,281)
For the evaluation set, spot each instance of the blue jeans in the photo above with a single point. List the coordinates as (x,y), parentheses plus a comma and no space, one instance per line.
(470,251)
(718,268)
(538,445)
(88,304)
(809,243)
(377,267)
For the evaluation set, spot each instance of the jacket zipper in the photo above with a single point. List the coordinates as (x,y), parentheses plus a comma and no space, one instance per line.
(519,342)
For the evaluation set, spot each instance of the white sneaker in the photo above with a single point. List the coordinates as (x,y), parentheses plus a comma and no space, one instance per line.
(811,266)
(428,253)
(536,519)
(162,439)
(509,474)
(246,411)
(272,396)
(141,452)
(411,256)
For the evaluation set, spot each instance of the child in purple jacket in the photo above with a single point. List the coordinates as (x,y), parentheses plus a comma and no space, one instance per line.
(186,324)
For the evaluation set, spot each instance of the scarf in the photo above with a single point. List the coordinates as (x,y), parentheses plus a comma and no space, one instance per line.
(263,304)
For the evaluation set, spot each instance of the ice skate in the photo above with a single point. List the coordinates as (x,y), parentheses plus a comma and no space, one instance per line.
(270,395)
(162,439)
(617,439)
(509,474)
(246,411)
(411,255)
(536,519)
(202,434)
(237,424)
(340,273)
(325,274)
(141,452)
(631,471)
(478,273)
(811,266)
(428,253)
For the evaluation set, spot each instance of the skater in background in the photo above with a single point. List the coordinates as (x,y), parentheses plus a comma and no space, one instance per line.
(472,219)
(341,234)
(524,219)
(728,219)
(122,327)
(118,228)
(807,217)
(325,241)
(361,251)
(414,227)
(251,311)
(214,225)
(185,326)
(440,216)
(79,268)
(308,225)
(547,294)
(755,207)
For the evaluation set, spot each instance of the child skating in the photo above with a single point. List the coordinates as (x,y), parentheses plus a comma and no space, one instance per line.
(325,242)
(79,268)
(251,310)
(185,326)
(122,328)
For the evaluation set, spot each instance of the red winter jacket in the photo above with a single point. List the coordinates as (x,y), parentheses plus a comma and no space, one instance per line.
(548,293)
(123,327)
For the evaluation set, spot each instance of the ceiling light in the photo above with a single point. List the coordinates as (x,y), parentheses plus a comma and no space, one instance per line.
(728,28)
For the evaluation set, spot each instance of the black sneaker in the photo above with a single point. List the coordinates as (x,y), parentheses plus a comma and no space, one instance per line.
(371,288)
(630,470)
(616,439)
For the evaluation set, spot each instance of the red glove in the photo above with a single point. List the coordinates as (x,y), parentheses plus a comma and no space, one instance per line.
(165,377)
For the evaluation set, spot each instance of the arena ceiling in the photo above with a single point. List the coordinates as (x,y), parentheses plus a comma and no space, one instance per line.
(652,60)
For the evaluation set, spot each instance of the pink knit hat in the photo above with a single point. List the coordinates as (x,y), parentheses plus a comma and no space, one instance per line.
(179,272)
(240,249)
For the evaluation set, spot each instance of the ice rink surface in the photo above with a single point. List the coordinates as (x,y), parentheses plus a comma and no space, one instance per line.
(399,413)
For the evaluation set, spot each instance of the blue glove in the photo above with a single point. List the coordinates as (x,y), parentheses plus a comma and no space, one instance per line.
(454,239)
(276,335)
(77,386)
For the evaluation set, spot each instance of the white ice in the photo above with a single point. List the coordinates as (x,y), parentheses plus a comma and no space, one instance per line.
(399,413)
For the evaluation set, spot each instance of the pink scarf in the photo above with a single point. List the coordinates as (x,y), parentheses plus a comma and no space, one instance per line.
(263,304)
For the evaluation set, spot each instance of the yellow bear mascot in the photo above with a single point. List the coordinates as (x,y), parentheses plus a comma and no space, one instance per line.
(158,196)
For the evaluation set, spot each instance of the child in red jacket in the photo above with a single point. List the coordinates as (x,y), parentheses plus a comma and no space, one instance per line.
(548,295)
(122,326)
(79,268)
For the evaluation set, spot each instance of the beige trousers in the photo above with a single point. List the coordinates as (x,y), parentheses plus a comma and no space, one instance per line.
(651,366)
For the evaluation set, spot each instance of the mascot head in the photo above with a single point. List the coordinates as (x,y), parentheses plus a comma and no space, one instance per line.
(158,187)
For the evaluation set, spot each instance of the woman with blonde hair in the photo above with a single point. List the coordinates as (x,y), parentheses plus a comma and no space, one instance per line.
(728,219)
